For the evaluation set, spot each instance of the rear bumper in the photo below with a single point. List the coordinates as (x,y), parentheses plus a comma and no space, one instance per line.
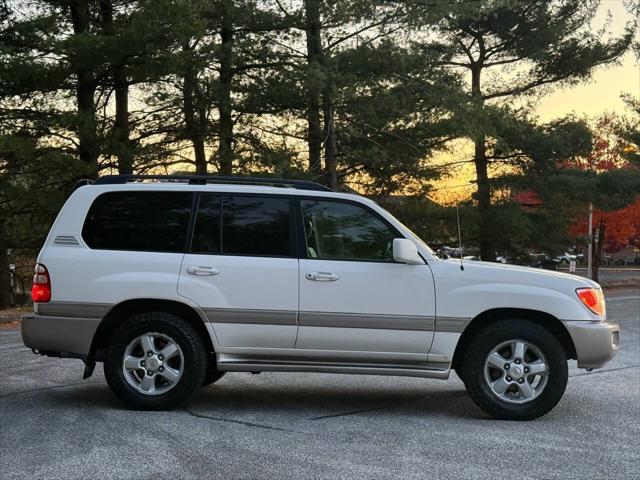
(596,342)
(66,336)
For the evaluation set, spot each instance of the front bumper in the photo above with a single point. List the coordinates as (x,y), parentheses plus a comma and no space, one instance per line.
(596,342)
(64,336)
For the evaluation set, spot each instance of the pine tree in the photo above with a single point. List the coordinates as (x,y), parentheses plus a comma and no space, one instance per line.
(368,103)
(510,50)
(224,54)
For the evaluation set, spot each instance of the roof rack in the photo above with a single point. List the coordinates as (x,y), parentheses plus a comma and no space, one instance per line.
(205,179)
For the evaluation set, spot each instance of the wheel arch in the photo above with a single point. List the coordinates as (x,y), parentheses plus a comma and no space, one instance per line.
(545,320)
(120,312)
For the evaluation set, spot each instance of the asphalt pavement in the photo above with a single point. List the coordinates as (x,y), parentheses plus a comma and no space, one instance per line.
(282,425)
(612,276)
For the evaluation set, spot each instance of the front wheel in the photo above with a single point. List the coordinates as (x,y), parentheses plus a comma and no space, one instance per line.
(515,370)
(212,376)
(155,361)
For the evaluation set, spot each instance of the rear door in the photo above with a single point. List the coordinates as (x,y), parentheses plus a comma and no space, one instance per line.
(242,269)
(353,296)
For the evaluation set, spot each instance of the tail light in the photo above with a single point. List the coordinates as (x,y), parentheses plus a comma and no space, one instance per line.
(41,288)
(593,299)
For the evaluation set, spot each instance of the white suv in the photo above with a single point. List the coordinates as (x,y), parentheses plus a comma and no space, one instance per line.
(173,281)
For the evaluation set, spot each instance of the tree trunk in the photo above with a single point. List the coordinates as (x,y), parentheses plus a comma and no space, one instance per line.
(483,197)
(598,249)
(225,149)
(314,80)
(194,132)
(121,127)
(5,286)
(330,148)
(201,132)
(120,133)
(483,194)
(85,92)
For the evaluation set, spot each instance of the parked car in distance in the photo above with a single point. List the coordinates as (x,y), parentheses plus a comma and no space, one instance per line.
(566,258)
(451,252)
(442,254)
(174,281)
(627,261)
(543,260)
(606,260)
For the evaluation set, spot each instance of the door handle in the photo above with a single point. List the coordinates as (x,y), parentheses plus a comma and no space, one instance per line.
(203,271)
(322,276)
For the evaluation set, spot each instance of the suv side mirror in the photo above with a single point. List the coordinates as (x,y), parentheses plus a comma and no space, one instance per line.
(405,251)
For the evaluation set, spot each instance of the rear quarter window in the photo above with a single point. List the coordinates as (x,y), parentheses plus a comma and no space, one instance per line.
(140,221)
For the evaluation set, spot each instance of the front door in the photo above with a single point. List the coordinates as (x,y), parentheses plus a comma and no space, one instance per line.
(353,296)
(242,269)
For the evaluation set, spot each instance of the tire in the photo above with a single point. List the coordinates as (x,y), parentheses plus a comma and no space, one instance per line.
(212,376)
(187,362)
(541,347)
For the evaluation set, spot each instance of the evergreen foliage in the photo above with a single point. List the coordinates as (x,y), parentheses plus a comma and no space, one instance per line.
(356,94)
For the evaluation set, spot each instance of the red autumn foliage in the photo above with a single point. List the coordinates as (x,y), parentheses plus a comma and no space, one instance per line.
(622,225)
(607,153)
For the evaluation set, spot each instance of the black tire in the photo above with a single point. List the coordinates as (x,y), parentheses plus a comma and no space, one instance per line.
(184,335)
(212,375)
(479,347)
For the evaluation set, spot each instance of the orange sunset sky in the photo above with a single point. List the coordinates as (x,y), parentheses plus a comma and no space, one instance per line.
(602,94)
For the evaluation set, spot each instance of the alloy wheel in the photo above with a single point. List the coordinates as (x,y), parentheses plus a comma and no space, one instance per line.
(516,371)
(153,363)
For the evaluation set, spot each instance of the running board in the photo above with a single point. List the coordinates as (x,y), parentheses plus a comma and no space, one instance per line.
(232,363)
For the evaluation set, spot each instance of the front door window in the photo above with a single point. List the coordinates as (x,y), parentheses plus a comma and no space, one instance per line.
(343,231)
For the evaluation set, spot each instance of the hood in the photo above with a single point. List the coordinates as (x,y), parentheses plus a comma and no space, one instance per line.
(484,286)
(519,274)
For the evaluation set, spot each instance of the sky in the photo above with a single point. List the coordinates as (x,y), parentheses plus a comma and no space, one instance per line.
(601,94)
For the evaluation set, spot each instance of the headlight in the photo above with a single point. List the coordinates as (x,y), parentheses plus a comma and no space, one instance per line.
(593,299)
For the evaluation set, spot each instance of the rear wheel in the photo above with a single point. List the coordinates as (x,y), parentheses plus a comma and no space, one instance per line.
(515,370)
(155,361)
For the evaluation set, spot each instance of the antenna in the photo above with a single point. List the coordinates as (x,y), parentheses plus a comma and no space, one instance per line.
(459,237)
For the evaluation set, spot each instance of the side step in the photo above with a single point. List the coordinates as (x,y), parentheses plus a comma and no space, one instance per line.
(235,363)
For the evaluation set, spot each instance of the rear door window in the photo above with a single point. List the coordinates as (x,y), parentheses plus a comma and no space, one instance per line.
(139,221)
(206,233)
(256,225)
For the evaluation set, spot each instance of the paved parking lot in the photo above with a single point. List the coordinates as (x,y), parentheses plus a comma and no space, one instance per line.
(612,276)
(275,425)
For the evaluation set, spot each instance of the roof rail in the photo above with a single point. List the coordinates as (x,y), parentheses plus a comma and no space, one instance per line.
(205,179)
(81,183)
